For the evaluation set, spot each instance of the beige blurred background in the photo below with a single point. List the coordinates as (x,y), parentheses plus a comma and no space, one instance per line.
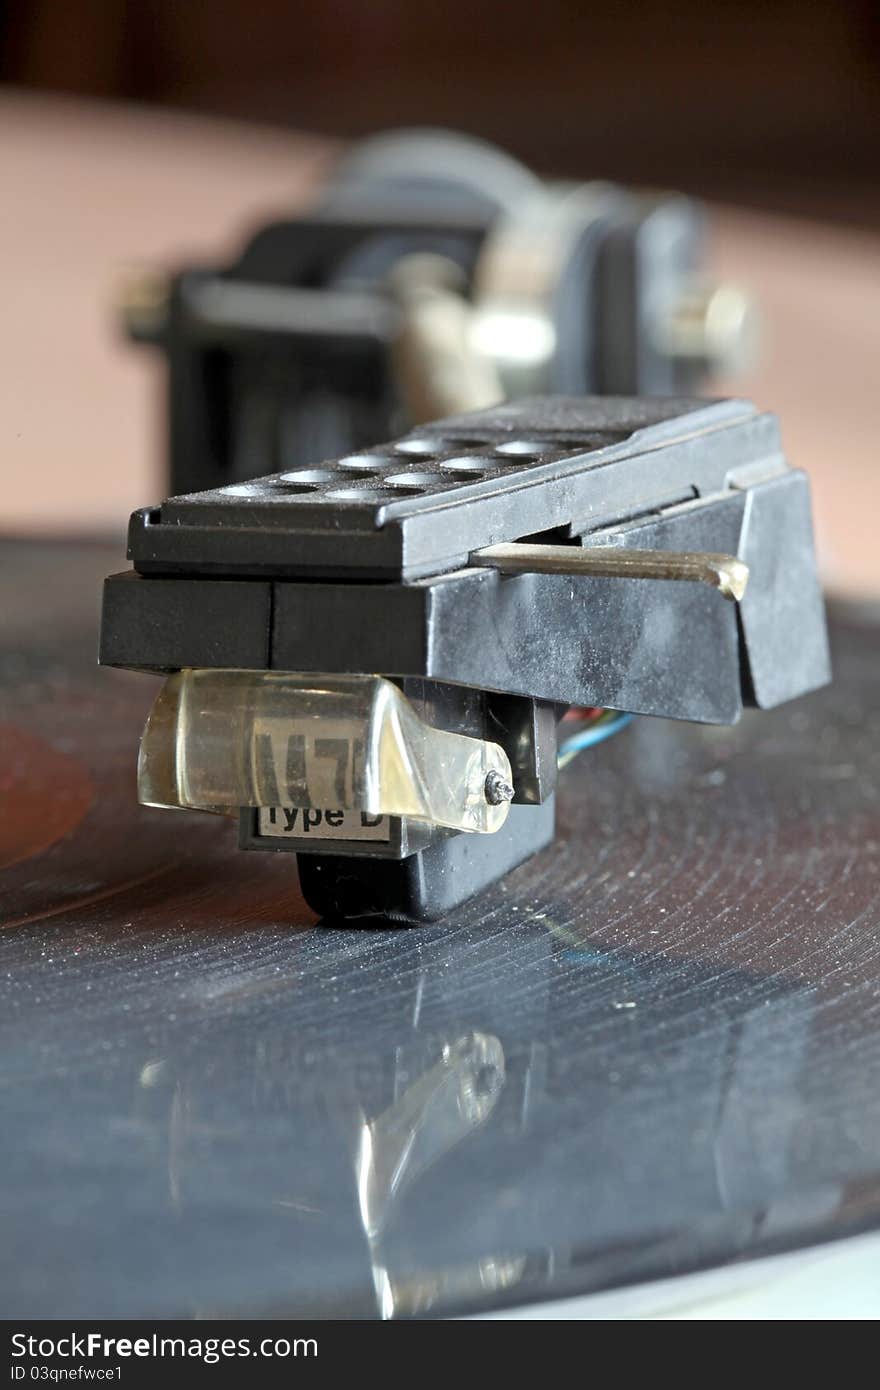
(94,187)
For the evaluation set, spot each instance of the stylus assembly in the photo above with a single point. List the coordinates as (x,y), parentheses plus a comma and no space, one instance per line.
(368,658)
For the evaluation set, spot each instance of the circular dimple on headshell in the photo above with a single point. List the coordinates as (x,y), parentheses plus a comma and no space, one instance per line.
(365,463)
(528,448)
(465,463)
(311,477)
(421,482)
(425,444)
(421,444)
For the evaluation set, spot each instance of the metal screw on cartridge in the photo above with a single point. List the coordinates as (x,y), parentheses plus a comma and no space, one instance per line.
(496,789)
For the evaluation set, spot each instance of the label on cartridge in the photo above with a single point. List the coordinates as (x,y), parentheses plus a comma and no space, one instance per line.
(296,823)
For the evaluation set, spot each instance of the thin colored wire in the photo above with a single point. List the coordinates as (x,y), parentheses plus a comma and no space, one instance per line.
(604,727)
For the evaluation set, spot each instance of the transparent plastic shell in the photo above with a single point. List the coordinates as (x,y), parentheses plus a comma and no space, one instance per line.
(216,740)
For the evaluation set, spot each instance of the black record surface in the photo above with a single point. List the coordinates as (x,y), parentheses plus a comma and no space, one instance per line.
(655,1048)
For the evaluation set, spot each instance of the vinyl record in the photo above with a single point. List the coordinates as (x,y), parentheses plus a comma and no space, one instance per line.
(651,1050)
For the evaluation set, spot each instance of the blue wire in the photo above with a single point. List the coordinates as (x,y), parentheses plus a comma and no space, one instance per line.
(588,738)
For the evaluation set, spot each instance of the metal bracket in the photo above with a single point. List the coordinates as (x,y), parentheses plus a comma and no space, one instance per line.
(725,573)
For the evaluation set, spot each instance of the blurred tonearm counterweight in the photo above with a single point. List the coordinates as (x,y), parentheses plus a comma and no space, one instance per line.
(434,275)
